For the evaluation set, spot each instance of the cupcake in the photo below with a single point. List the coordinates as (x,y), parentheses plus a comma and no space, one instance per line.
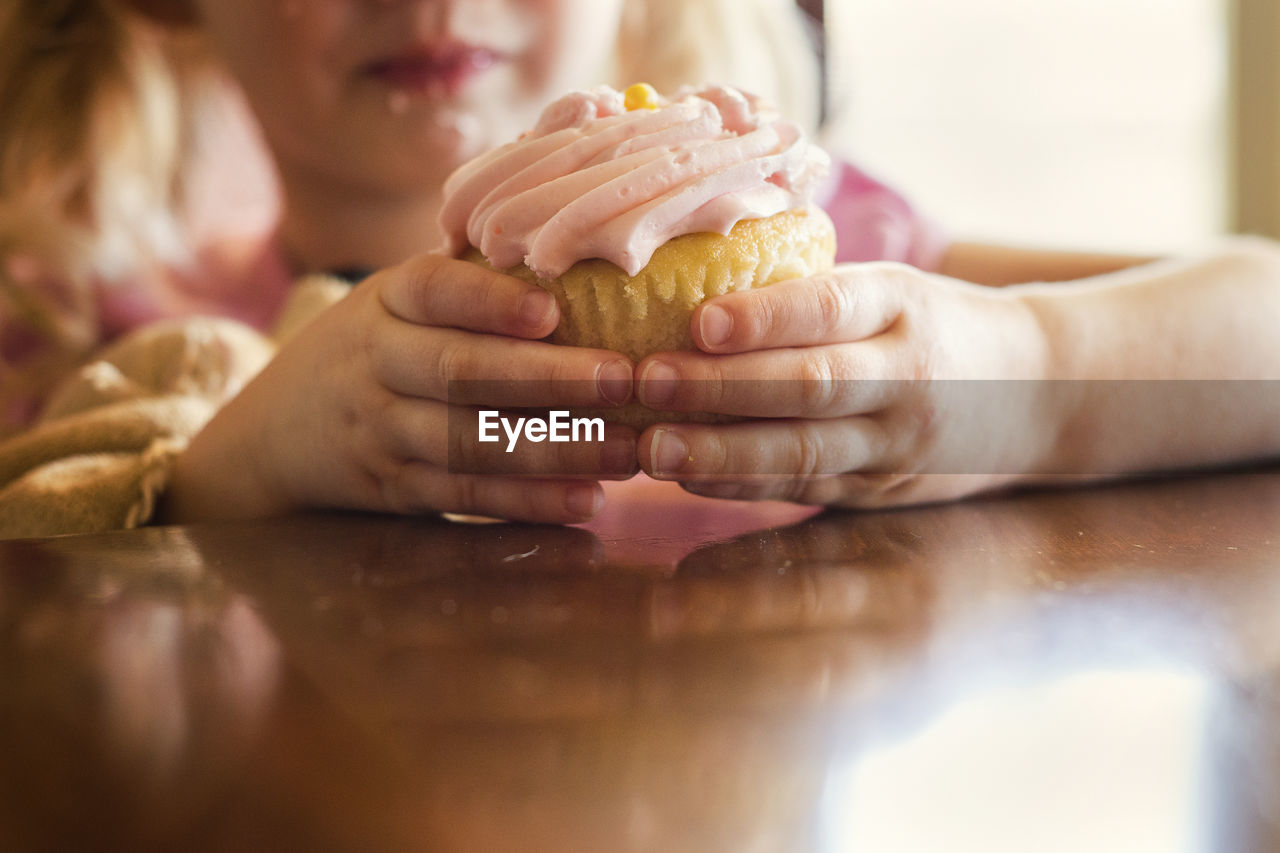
(633,208)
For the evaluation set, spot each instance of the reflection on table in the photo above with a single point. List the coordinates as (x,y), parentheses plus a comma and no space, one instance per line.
(1089,669)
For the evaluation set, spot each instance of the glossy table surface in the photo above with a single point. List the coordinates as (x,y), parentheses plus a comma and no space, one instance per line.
(1089,669)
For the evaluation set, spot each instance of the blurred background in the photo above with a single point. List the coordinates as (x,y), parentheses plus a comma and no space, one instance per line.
(1144,125)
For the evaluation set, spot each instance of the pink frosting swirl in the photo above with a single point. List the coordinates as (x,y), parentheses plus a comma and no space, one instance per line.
(594,180)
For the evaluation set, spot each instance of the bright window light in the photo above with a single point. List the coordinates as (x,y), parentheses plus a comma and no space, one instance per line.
(1089,124)
(1099,761)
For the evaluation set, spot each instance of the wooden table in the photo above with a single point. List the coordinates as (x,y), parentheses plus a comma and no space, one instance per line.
(1091,669)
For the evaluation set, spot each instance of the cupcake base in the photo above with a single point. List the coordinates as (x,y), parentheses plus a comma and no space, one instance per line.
(603,307)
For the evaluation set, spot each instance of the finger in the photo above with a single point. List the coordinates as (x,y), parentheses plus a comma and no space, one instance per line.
(600,451)
(779,450)
(468,368)
(458,439)
(433,290)
(420,487)
(850,303)
(808,382)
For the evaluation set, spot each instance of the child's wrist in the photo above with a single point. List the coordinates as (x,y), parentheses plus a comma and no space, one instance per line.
(1044,365)
(211,480)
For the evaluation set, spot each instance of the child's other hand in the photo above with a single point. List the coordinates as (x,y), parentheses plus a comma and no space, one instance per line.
(352,412)
(861,374)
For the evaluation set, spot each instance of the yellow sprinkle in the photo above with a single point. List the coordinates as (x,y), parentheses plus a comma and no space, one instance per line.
(640,96)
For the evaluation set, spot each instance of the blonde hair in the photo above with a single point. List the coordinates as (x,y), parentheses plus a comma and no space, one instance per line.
(762,46)
(90,138)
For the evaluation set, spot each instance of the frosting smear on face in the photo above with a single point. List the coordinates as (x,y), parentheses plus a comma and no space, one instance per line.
(595,179)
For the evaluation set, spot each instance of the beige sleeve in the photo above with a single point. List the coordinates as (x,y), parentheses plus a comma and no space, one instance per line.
(101,453)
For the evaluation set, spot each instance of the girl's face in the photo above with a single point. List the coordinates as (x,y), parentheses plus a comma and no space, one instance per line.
(388,96)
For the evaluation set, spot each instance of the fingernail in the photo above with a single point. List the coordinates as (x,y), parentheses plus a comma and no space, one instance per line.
(583,500)
(715,324)
(668,453)
(535,306)
(657,384)
(613,381)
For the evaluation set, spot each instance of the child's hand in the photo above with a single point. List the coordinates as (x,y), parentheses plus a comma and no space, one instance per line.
(861,373)
(352,412)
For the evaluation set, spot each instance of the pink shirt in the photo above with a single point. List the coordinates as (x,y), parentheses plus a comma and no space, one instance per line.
(248,281)
(875,223)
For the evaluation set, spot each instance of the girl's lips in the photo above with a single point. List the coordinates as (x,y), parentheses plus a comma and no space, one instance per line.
(445,69)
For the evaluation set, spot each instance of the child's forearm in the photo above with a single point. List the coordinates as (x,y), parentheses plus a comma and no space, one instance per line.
(1162,365)
(1003,265)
